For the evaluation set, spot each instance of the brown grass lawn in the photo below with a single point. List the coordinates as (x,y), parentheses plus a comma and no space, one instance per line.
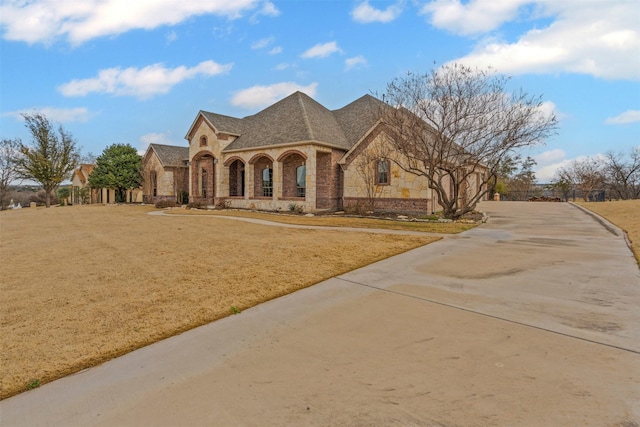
(335,220)
(83,284)
(623,213)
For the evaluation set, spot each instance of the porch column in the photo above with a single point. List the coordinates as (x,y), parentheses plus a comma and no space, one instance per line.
(249,173)
(277,180)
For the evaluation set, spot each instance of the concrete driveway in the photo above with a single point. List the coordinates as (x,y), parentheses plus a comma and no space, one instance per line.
(532,319)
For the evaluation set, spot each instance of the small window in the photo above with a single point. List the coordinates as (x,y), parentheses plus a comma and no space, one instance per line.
(267,182)
(301,181)
(203,141)
(382,176)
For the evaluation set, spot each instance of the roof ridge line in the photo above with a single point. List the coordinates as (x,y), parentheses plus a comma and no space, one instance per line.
(306,117)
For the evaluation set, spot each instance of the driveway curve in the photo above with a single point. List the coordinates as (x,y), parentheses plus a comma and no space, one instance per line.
(531,319)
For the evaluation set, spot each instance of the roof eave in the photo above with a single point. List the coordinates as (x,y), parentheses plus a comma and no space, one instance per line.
(284,145)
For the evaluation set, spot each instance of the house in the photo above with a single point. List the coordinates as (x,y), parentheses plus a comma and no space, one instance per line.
(81,192)
(165,173)
(297,154)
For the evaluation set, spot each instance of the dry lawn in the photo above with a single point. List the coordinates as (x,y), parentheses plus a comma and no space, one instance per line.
(83,284)
(336,220)
(623,213)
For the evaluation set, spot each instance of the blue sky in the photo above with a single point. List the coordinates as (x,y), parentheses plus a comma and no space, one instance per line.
(138,71)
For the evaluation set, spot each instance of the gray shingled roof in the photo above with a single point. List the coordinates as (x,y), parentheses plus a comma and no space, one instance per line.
(171,155)
(223,123)
(299,118)
(358,117)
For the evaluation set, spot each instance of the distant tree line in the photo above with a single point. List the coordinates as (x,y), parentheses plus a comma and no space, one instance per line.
(612,176)
(50,157)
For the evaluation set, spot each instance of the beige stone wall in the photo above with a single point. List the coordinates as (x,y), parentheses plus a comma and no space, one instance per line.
(402,185)
(165,185)
(277,201)
(214,148)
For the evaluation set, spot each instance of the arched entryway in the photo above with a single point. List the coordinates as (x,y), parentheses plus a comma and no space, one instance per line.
(236,178)
(203,178)
(294,174)
(262,176)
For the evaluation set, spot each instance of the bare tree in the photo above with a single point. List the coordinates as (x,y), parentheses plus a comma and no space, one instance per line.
(8,172)
(586,175)
(624,176)
(454,126)
(523,182)
(366,166)
(50,157)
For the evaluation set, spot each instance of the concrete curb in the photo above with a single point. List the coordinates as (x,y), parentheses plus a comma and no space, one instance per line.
(611,228)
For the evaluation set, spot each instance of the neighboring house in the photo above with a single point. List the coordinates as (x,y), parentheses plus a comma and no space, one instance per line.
(298,153)
(165,173)
(81,192)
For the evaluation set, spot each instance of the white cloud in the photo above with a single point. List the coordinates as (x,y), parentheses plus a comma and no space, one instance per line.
(547,163)
(321,50)
(549,157)
(79,21)
(58,115)
(276,50)
(473,17)
(142,83)
(364,13)
(546,174)
(269,9)
(629,116)
(354,62)
(262,43)
(547,108)
(263,96)
(599,38)
(154,138)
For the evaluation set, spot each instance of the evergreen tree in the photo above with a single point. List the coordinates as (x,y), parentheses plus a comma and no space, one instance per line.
(119,168)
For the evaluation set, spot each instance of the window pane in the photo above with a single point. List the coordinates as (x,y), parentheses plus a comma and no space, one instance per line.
(383,172)
(301,176)
(267,182)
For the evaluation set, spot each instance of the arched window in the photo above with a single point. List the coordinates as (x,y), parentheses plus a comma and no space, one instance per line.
(267,182)
(203,181)
(203,141)
(301,181)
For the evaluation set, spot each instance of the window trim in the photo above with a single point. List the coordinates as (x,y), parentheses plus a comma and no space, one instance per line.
(383,173)
(267,186)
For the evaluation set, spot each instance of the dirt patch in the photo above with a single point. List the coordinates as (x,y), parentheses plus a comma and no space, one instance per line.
(84,284)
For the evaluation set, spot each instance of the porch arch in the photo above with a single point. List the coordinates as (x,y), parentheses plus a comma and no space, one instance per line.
(292,152)
(257,157)
(203,171)
(294,174)
(262,175)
